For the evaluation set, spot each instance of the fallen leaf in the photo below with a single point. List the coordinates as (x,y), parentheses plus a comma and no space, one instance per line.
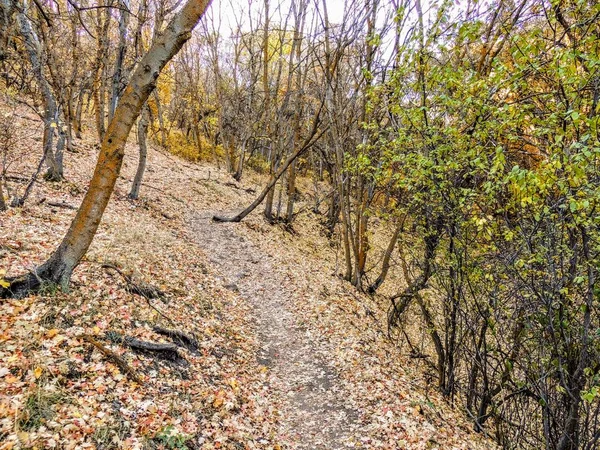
(51,333)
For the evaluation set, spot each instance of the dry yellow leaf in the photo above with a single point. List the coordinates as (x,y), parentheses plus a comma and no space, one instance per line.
(218,400)
(23,437)
(38,372)
(51,333)
(11,379)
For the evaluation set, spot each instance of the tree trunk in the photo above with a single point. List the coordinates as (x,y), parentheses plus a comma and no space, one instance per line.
(268,212)
(117,78)
(78,111)
(161,120)
(300,15)
(385,266)
(2,201)
(237,176)
(267,111)
(142,134)
(416,285)
(291,192)
(20,201)
(333,213)
(343,208)
(99,84)
(60,265)
(60,148)
(50,109)
(69,132)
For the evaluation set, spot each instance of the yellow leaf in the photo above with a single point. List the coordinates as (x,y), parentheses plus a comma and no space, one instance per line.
(38,372)
(96,330)
(23,437)
(219,399)
(4,284)
(51,333)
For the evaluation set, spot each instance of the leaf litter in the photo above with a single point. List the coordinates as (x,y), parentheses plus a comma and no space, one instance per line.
(288,355)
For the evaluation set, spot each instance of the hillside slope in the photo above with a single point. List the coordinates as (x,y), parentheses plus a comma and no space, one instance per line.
(283,354)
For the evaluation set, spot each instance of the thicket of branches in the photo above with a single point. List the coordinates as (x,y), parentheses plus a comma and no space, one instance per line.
(471,130)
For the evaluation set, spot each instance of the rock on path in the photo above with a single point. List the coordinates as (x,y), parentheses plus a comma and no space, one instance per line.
(313,415)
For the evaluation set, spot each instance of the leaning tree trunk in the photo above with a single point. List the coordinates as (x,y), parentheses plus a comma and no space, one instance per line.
(142,135)
(60,265)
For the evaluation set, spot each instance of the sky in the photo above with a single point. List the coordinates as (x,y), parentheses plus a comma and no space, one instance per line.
(230,11)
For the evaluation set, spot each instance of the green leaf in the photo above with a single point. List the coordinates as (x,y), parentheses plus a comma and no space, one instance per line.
(573,206)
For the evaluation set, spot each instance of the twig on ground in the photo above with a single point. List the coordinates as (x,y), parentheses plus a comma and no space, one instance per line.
(113,357)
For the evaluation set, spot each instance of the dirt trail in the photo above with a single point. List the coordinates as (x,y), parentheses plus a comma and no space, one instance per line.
(313,414)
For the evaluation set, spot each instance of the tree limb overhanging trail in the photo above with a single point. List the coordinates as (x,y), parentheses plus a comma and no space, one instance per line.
(316,413)
(312,138)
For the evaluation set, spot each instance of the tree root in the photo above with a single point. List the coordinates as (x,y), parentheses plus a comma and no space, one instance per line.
(23,285)
(179,337)
(57,204)
(114,358)
(168,352)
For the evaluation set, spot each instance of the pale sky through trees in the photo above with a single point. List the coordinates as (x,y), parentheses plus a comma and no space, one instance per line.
(226,16)
(230,11)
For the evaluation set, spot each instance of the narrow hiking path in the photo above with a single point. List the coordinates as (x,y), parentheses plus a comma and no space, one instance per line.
(314,413)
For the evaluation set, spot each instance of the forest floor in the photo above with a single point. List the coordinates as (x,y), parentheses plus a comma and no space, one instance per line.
(284,353)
